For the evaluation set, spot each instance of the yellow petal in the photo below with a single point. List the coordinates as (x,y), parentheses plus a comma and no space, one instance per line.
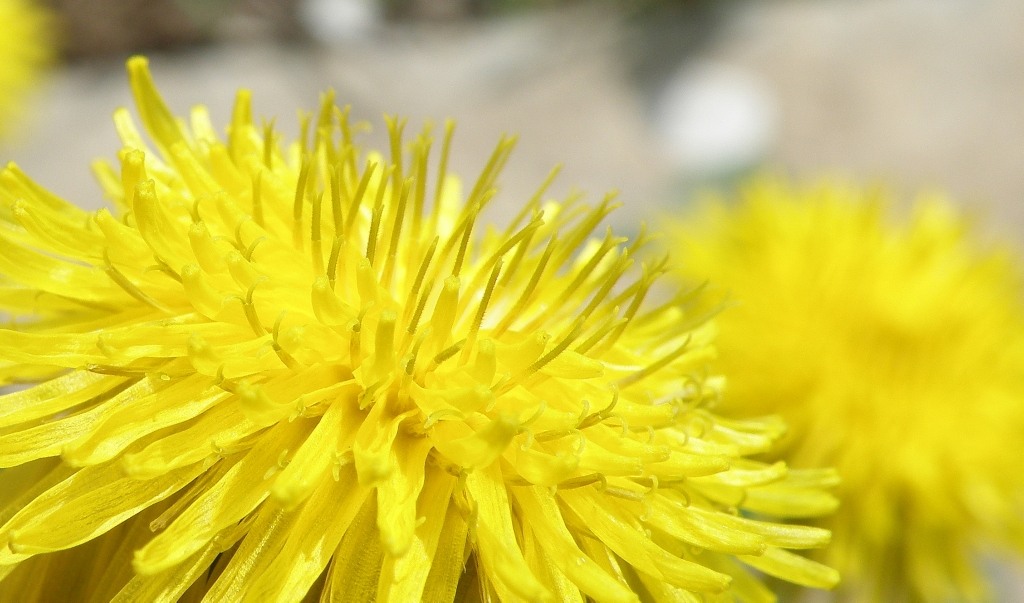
(356,566)
(216,432)
(55,396)
(48,439)
(321,523)
(449,558)
(397,495)
(793,568)
(621,533)
(88,503)
(496,547)
(479,448)
(314,457)
(168,585)
(542,516)
(266,536)
(173,405)
(405,578)
(548,572)
(158,119)
(700,527)
(231,498)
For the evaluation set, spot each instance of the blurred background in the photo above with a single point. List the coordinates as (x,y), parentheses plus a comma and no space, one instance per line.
(654,99)
(648,97)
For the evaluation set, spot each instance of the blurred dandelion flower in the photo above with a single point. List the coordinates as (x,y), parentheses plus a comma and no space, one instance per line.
(306,375)
(26,46)
(895,353)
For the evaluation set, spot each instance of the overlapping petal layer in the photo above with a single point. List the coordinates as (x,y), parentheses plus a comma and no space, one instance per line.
(893,347)
(277,374)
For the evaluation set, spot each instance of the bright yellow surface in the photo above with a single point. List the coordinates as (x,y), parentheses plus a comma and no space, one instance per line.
(272,372)
(894,348)
(26,46)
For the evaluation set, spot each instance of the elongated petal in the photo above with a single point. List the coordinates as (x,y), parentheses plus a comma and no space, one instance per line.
(88,503)
(233,497)
(499,552)
(321,523)
(544,519)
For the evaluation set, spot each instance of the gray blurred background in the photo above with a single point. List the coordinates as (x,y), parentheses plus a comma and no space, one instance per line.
(650,98)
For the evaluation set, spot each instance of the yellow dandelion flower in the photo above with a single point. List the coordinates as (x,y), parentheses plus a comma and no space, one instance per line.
(25,48)
(304,374)
(894,349)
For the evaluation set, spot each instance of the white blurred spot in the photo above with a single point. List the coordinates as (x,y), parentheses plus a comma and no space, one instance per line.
(714,119)
(333,21)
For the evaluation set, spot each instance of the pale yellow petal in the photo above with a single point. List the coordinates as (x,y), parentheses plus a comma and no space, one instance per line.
(496,546)
(88,503)
(244,486)
(315,535)
(405,578)
(619,531)
(355,569)
(542,516)
(793,568)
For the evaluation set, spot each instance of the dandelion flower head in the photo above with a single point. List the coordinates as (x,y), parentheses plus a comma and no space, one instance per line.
(309,374)
(26,45)
(893,349)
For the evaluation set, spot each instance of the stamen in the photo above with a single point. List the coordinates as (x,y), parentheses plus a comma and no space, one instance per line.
(410,365)
(442,171)
(524,234)
(421,304)
(421,154)
(602,415)
(587,271)
(250,312)
(269,140)
(448,352)
(395,127)
(623,493)
(583,481)
(611,324)
(482,192)
(378,213)
(527,293)
(481,310)
(122,281)
(332,262)
(366,284)
(418,282)
(285,357)
(464,243)
(396,232)
(445,311)
(587,225)
(300,199)
(534,202)
(521,250)
(555,351)
(247,254)
(335,179)
(384,343)
(304,120)
(356,201)
(656,365)
(257,199)
(354,340)
(316,234)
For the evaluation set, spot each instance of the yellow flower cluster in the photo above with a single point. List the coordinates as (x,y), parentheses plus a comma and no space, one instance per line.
(26,46)
(310,374)
(894,349)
